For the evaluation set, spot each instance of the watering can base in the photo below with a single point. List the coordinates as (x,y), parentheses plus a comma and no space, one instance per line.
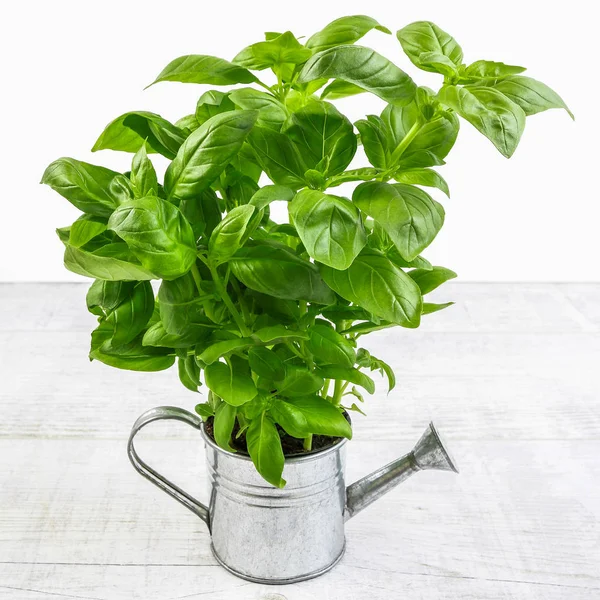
(276,581)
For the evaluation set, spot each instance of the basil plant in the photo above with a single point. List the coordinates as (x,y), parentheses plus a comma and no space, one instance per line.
(269,316)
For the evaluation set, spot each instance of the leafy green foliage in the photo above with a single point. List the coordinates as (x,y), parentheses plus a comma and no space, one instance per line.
(362,67)
(263,315)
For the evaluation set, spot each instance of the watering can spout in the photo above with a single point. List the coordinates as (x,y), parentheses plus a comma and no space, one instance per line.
(429,453)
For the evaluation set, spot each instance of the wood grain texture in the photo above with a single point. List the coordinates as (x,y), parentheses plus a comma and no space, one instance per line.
(510,374)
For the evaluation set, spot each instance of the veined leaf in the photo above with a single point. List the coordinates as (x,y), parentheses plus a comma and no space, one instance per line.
(345,30)
(425,37)
(377,285)
(233,387)
(324,137)
(280,273)
(347,374)
(228,235)
(329,347)
(92,189)
(206,152)
(431,279)
(111,262)
(129,132)
(490,112)
(271,112)
(425,177)
(223,425)
(282,49)
(198,68)
(363,67)
(143,176)
(157,234)
(264,447)
(531,95)
(321,417)
(409,216)
(330,227)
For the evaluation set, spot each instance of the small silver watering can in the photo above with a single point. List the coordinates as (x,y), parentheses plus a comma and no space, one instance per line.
(277,536)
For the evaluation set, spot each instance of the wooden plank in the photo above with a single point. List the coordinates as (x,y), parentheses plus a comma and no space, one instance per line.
(519,511)
(156,582)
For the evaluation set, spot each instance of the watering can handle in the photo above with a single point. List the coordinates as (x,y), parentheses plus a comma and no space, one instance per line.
(156,414)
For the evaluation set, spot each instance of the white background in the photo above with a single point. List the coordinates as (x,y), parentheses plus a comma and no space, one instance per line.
(70,67)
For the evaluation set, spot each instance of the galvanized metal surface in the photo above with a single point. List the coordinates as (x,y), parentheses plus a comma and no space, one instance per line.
(277,536)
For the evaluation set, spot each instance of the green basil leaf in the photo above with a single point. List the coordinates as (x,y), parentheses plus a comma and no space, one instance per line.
(205,410)
(277,333)
(212,103)
(187,124)
(132,356)
(112,262)
(429,307)
(347,374)
(227,237)
(143,176)
(329,347)
(264,447)
(409,216)
(265,363)
(425,177)
(271,112)
(339,88)
(158,336)
(374,283)
(197,68)
(86,228)
(202,212)
(180,304)
(233,387)
(439,63)
(215,351)
(189,374)
(104,296)
(321,416)
(92,189)
(290,418)
(223,425)
(284,48)
(488,69)
(131,316)
(129,131)
(368,327)
(278,157)
(490,112)
(417,263)
(433,141)
(362,174)
(298,381)
(363,67)
(431,279)
(270,193)
(206,152)
(345,30)
(330,227)
(531,95)
(157,234)
(426,37)
(375,140)
(280,273)
(324,137)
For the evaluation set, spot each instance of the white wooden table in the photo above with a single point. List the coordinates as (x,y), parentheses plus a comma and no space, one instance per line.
(511,375)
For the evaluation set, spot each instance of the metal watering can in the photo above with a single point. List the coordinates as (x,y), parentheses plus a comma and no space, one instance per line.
(277,536)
